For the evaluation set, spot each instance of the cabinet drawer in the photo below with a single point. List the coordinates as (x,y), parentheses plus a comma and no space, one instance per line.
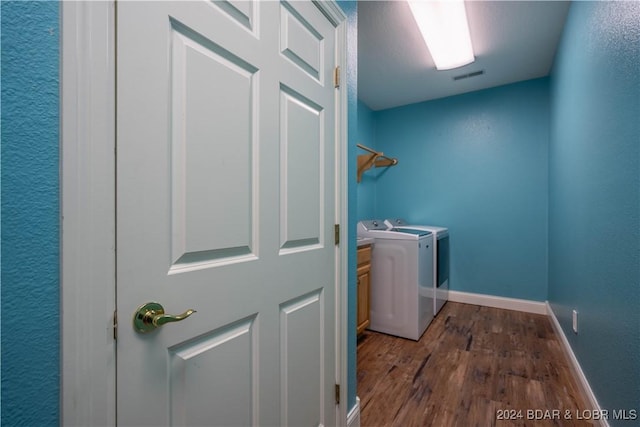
(364,255)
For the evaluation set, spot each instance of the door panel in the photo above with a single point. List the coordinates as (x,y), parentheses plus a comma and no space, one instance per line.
(244,12)
(230,391)
(302,368)
(205,149)
(301,171)
(226,205)
(301,42)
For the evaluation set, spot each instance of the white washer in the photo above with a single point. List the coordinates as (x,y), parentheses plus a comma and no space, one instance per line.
(401,279)
(440,259)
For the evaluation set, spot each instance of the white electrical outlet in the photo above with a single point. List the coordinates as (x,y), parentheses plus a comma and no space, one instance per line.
(575,321)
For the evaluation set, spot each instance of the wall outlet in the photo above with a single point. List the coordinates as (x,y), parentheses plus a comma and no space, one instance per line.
(575,321)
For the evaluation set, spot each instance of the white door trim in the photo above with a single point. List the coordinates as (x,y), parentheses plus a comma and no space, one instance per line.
(342,217)
(88,159)
(87,293)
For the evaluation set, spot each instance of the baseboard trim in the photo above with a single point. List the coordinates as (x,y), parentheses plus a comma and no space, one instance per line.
(585,388)
(499,302)
(353,418)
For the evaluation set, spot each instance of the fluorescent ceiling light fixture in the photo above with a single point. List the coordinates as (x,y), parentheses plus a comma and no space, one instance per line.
(443,24)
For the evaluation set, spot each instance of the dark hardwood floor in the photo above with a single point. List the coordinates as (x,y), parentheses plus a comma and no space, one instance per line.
(474,366)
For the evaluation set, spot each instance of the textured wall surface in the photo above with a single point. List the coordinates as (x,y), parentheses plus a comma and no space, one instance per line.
(594,215)
(366,187)
(30,210)
(350,8)
(477,164)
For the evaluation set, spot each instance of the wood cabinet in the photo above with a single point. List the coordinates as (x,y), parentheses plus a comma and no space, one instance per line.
(364,275)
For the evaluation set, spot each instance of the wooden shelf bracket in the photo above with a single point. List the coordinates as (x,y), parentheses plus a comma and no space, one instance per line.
(374,159)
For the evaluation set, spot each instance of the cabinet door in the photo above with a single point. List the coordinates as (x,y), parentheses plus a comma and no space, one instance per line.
(363,298)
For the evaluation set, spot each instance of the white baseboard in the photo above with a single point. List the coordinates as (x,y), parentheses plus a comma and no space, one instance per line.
(353,417)
(575,365)
(499,302)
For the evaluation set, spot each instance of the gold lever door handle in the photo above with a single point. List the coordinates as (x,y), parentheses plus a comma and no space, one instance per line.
(150,316)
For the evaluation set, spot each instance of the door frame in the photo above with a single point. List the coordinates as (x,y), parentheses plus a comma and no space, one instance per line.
(88,212)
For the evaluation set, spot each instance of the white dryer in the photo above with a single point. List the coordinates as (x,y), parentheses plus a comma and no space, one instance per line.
(440,260)
(401,279)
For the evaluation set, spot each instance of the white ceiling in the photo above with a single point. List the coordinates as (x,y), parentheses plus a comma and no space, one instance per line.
(512,40)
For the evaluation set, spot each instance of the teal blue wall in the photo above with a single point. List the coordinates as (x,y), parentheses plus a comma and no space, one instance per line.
(350,8)
(30,212)
(366,187)
(477,164)
(594,245)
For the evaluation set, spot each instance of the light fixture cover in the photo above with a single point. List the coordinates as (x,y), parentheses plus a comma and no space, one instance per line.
(444,27)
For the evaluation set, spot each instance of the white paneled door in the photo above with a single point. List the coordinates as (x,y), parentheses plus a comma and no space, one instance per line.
(226,205)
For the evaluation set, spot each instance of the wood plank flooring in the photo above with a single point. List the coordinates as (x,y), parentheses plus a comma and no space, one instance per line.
(471,365)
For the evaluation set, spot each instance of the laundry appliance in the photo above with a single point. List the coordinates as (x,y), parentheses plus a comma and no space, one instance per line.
(440,260)
(401,279)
